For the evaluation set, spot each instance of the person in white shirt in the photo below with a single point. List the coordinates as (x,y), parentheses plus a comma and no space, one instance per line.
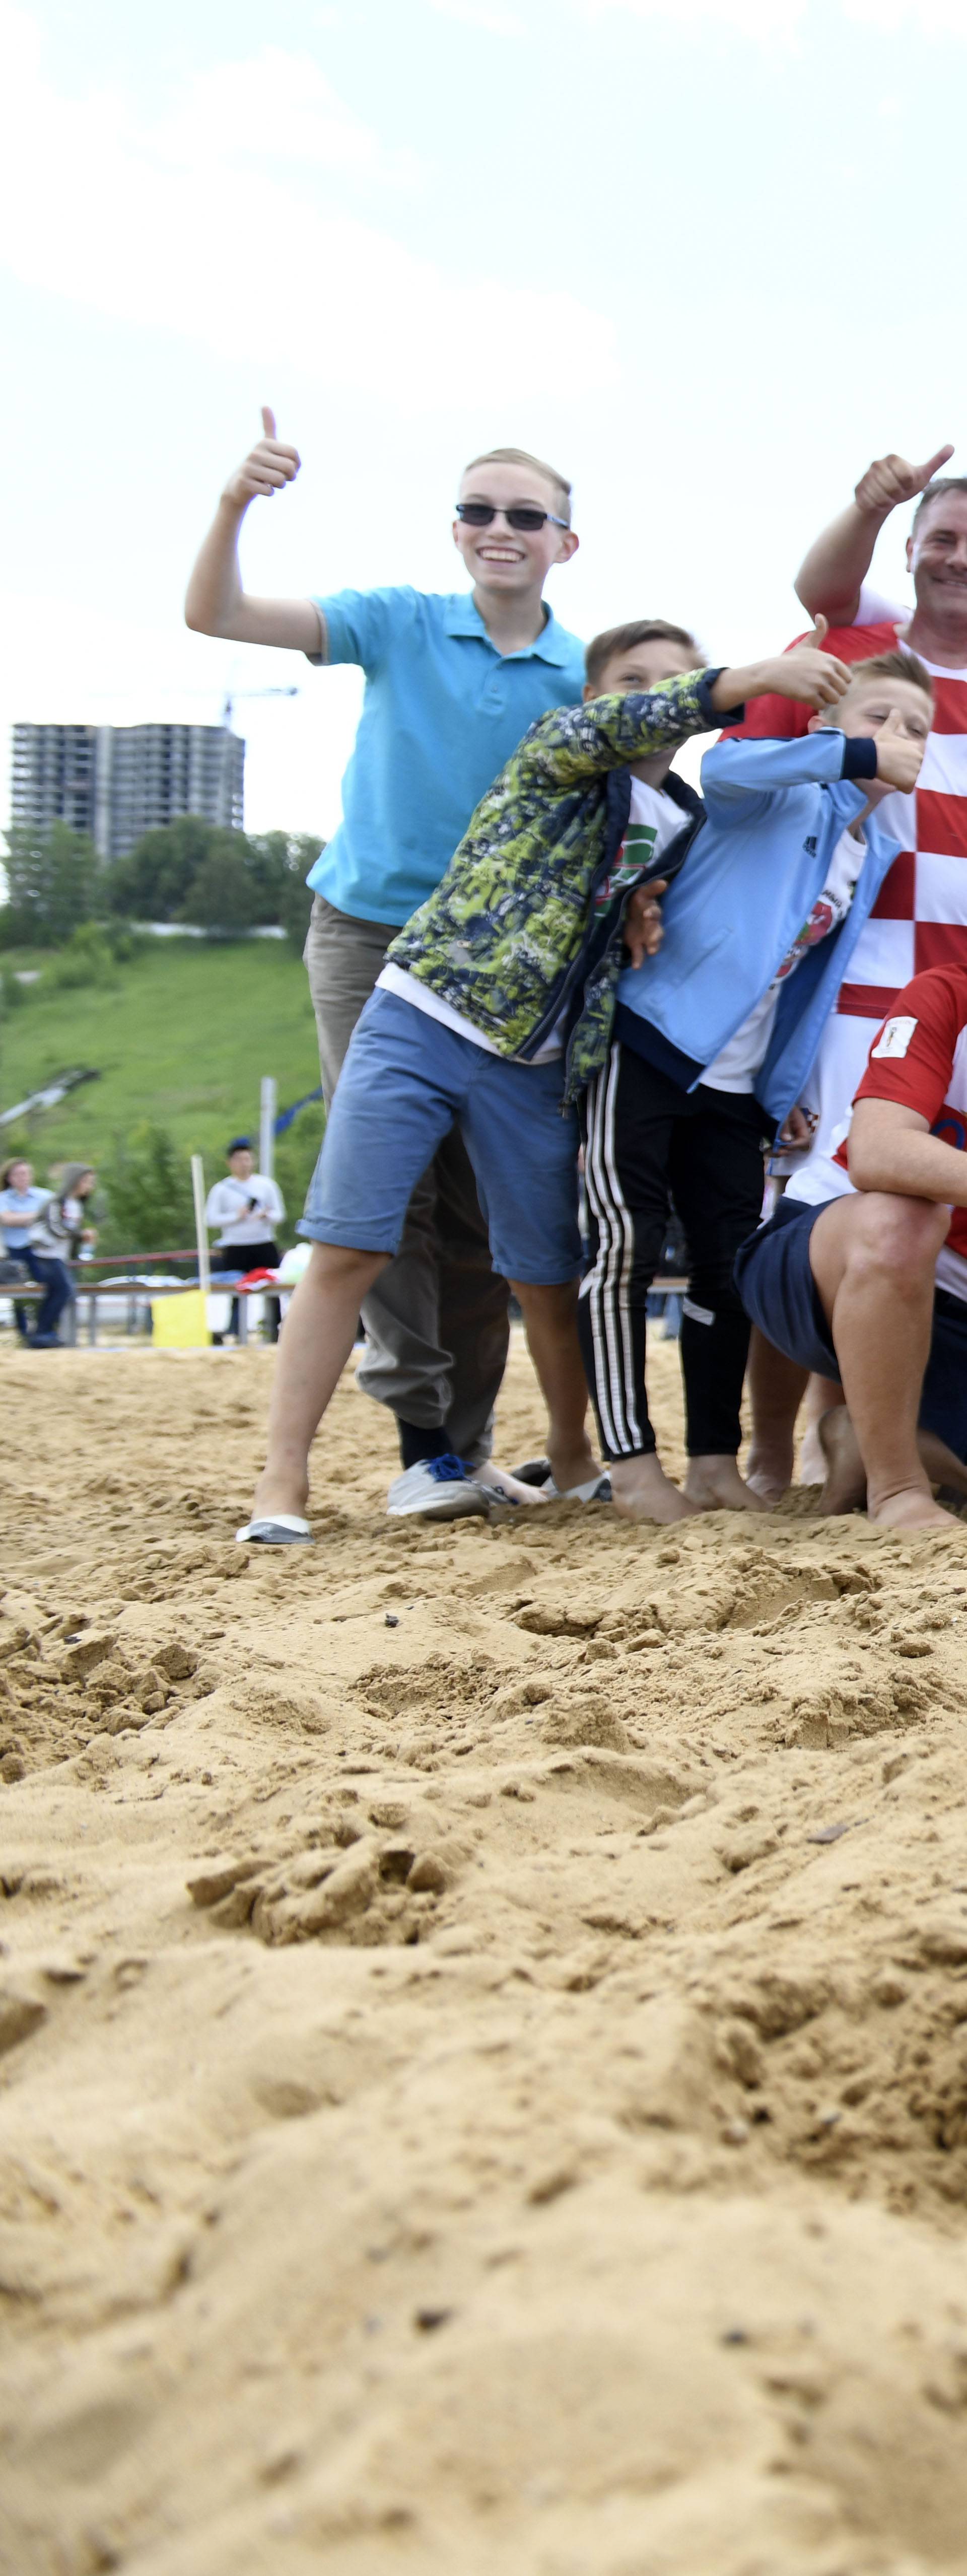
(247,1207)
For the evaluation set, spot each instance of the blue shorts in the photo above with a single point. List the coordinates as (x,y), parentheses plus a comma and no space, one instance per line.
(406,1081)
(773,1274)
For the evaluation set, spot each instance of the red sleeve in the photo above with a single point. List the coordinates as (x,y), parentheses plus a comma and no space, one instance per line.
(784,719)
(911,1058)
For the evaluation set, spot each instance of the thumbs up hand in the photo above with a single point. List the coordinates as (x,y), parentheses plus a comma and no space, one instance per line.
(807,672)
(268,467)
(899,755)
(891,480)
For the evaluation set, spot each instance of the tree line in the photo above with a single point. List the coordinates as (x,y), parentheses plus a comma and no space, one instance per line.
(190,872)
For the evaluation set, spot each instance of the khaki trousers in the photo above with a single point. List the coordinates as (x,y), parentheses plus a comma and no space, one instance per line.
(437,1324)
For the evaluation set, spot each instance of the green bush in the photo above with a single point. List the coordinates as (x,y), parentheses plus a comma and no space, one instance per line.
(126,945)
(88,958)
(222,895)
(54,881)
(147,1185)
(12,993)
(215,879)
(152,882)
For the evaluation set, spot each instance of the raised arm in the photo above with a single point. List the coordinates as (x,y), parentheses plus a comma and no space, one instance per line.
(579,742)
(832,574)
(744,771)
(215,601)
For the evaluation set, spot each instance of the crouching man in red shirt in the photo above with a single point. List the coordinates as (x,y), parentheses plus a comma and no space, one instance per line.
(871,1287)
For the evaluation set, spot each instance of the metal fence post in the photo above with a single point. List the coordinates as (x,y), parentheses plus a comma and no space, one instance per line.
(267,1109)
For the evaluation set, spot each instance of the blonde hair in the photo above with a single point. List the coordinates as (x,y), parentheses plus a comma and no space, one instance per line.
(893,666)
(522,456)
(623,639)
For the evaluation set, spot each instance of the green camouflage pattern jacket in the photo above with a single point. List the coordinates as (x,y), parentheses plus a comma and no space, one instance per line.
(512,935)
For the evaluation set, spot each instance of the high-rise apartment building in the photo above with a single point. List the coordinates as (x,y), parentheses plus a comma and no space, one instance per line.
(117,781)
(53,775)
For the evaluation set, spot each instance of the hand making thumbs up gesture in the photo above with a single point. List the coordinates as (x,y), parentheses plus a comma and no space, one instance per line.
(215,601)
(266,470)
(891,480)
(808,673)
(899,755)
(816,675)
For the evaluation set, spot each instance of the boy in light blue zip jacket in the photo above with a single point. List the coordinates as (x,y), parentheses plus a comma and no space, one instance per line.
(713,1041)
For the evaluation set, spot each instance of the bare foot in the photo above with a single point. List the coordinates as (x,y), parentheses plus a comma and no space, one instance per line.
(508,1488)
(641,1491)
(844,1475)
(912,1508)
(715,1485)
(812,1463)
(942,1467)
(825,1396)
(769,1472)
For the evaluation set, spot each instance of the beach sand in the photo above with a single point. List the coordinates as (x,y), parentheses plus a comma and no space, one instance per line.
(483,2013)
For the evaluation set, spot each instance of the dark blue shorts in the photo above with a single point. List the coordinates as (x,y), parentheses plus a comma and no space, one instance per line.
(773,1275)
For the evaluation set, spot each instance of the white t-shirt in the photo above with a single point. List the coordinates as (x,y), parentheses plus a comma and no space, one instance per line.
(736,1067)
(227,1205)
(654,821)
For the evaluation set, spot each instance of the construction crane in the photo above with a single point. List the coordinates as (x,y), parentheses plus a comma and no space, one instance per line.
(232,694)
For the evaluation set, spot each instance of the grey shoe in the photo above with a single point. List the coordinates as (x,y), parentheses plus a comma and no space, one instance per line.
(439,1489)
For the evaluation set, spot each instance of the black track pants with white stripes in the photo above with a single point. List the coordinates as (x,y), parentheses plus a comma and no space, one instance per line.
(645,1138)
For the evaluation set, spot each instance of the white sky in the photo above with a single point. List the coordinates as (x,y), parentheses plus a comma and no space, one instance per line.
(704,254)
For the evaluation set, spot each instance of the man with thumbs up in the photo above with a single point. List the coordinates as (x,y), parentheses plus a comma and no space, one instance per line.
(452,684)
(920,917)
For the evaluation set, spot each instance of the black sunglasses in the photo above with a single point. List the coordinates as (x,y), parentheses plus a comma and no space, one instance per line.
(480,514)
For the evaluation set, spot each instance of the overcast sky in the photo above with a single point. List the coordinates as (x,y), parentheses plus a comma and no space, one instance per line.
(706,255)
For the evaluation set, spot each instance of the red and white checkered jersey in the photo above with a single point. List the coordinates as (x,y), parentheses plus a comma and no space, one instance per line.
(919,918)
(919,1058)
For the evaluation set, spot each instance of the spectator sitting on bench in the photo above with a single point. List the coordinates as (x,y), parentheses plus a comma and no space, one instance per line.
(56,1236)
(20,1204)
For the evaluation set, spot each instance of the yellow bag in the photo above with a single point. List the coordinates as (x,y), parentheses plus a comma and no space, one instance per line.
(180,1323)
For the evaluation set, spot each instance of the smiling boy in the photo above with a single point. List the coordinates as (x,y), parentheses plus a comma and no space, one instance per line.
(493,1011)
(714,1040)
(452,683)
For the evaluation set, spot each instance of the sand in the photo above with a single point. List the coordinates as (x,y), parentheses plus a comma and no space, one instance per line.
(483,2013)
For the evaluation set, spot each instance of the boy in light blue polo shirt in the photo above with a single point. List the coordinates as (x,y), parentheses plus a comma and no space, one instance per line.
(443,710)
(453,681)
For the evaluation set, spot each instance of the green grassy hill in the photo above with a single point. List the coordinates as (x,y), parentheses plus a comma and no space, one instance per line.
(180,1037)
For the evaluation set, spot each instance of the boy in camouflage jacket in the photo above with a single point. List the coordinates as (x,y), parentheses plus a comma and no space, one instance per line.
(467,1025)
